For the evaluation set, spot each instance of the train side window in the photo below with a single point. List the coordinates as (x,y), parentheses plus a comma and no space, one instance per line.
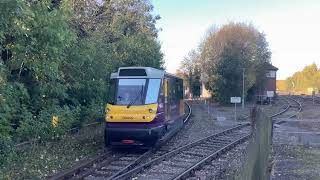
(173,87)
(180,89)
(153,91)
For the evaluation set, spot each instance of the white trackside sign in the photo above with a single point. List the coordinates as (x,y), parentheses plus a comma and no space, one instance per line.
(270,93)
(235,99)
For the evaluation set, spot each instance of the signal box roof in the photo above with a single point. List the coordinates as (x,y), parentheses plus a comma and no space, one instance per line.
(269,66)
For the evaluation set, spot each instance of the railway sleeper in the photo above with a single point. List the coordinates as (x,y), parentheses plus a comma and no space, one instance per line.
(184,160)
(91,177)
(153,176)
(177,164)
(208,146)
(217,140)
(112,168)
(104,173)
(215,144)
(168,170)
(218,145)
(192,153)
(201,149)
(120,163)
(128,158)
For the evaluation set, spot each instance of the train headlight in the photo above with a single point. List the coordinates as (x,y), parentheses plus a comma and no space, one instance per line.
(151,110)
(107,110)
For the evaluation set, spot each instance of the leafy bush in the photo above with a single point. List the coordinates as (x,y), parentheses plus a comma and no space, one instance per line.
(56,58)
(14,100)
(6,150)
(41,126)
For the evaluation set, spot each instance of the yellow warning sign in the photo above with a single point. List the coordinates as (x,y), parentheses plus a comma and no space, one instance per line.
(55,121)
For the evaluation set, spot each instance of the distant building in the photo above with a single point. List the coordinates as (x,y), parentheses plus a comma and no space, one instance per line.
(271,75)
(270,87)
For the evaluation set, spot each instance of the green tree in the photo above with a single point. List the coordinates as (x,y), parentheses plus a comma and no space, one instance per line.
(190,66)
(300,81)
(56,58)
(229,50)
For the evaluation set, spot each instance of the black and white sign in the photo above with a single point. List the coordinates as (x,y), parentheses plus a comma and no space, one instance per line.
(235,99)
(270,93)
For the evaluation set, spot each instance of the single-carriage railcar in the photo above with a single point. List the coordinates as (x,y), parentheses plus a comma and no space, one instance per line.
(144,104)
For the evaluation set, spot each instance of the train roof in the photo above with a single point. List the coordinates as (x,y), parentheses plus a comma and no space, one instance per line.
(140,72)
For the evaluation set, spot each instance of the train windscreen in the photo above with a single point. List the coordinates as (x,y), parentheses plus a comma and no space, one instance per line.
(137,91)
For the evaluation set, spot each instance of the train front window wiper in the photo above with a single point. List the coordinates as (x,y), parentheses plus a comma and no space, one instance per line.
(140,93)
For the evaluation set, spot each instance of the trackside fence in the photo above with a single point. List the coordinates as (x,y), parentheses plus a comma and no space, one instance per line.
(258,151)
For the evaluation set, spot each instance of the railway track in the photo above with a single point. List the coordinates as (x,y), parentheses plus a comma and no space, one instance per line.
(180,162)
(293,106)
(166,162)
(106,167)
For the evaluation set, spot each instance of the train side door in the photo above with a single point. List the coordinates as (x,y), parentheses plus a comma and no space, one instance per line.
(166,99)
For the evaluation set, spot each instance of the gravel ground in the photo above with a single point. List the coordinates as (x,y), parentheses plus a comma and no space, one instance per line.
(225,167)
(277,106)
(296,145)
(310,110)
(203,124)
(296,163)
(206,121)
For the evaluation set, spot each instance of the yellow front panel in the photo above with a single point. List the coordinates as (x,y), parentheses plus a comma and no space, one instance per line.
(140,113)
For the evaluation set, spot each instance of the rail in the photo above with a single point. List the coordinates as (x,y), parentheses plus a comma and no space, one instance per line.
(212,142)
(88,168)
(289,105)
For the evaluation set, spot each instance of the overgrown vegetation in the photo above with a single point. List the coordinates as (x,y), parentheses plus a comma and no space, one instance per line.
(56,58)
(41,160)
(223,56)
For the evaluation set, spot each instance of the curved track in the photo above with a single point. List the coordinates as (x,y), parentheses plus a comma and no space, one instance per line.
(166,162)
(293,108)
(106,167)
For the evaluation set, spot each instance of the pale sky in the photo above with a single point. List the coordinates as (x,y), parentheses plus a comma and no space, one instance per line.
(292,28)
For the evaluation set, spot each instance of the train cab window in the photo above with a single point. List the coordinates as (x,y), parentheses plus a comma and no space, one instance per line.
(153,91)
(130,91)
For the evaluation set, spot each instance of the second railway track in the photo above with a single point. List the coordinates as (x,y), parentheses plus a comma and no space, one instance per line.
(180,162)
(292,109)
(167,162)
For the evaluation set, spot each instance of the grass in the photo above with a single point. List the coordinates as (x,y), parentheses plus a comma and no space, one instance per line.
(305,161)
(40,160)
